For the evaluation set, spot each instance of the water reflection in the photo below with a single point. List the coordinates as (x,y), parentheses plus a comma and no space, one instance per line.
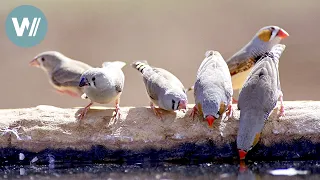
(245,173)
(269,170)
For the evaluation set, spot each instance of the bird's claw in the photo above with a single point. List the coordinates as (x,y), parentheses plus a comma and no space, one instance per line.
(282,114)
(194,112)
(234,101)
(84,112)
(282,111)
(230,111)
(157,112)
(117,113)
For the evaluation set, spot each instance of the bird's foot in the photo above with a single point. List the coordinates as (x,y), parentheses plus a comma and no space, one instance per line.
(282,111)
(229,111)
(234,101)
(156,111)
(84,112)
(194,112)
(117,112)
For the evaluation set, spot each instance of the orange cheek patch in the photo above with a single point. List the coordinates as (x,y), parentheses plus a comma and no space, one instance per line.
(222,108)
(265,35)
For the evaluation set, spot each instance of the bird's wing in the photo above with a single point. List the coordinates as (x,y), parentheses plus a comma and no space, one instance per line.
(67,76)
(169,76)
(240,62)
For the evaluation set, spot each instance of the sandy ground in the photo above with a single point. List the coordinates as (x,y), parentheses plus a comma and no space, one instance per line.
(169,34)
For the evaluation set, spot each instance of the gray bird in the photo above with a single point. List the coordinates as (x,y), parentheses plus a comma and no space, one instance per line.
(242,62)
(103,85)
(64,73)
(213,88)
(164,89)
(258,97)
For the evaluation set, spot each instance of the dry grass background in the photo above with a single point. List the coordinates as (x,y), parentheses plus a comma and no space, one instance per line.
(173,34)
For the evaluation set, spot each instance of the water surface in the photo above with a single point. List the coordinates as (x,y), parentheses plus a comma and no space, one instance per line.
(266,170)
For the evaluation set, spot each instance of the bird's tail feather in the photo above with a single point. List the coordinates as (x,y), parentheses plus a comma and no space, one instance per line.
(277,50)
(190,89)
(141,65)
(118,64)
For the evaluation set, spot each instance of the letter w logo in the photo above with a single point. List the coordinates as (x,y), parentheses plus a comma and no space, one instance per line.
(26,25)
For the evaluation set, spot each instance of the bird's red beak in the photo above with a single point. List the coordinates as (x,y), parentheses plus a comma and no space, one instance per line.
(182,105)
(34,62)
(210,120)
(282,34)
(242,154)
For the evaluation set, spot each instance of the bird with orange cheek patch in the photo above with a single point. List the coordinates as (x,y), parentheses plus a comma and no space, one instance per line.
(213,88)
(258,97)
(241,63)
(64,73)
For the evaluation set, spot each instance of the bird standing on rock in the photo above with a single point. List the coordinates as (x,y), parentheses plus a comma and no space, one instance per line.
(64,73)
(242,62)
(164,89)
(258,97)
(213,88)
(103,85)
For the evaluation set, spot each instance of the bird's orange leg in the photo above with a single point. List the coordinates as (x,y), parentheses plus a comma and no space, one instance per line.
(194,112)
(117,109)
(234,101)
(84,111)
(230,110)
(155,110)
(282,113)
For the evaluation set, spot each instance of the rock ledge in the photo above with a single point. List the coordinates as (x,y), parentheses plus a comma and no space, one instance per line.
(138,135)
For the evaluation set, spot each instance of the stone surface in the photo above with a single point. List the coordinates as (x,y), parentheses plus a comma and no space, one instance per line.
(139,135)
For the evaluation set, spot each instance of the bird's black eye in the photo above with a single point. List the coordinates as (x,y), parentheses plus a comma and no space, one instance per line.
(272,28)
(173,102)
(93,79)
(42,59)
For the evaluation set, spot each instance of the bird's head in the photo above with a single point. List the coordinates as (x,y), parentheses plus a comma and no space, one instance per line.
(175,100)
(210,108)
(271,34)
(92,78)
(48,60)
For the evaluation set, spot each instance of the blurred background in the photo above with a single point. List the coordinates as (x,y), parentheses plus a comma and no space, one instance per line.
(172,34)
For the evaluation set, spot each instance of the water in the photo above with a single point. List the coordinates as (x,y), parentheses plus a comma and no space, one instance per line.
(265,170)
